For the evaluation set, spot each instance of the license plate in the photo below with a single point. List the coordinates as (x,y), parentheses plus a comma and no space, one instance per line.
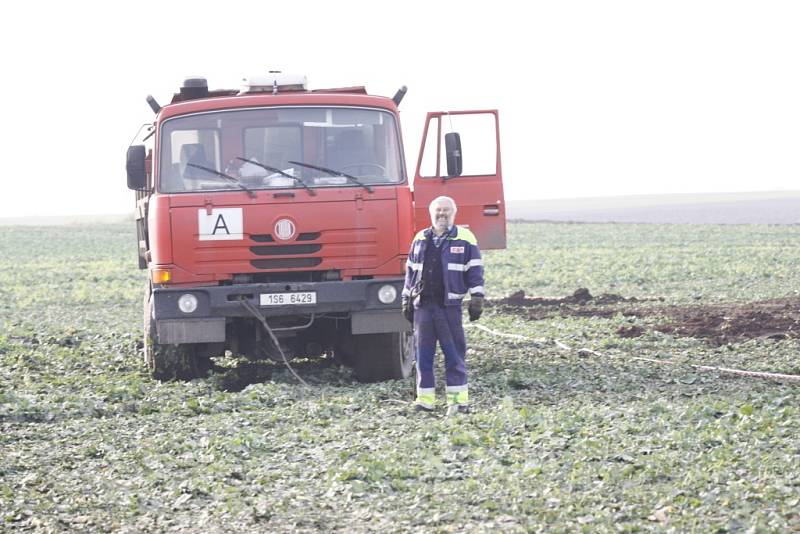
(288,299)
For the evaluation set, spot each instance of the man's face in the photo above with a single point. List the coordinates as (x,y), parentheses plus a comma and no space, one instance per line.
(442,215)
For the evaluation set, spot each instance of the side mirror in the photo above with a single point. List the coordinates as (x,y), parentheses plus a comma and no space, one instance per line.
(452,146)
(136,167)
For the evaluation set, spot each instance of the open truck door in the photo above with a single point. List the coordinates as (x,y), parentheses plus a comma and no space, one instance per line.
(474,180)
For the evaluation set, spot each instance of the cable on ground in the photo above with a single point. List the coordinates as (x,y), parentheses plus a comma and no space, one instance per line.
(586,351)
(260,318)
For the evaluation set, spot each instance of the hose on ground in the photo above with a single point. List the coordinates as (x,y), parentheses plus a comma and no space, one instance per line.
(260,318)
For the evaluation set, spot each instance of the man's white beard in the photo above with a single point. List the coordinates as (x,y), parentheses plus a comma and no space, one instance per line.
(442,224)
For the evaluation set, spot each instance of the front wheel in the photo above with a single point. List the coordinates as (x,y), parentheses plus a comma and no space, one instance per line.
(170,362)
(380,357)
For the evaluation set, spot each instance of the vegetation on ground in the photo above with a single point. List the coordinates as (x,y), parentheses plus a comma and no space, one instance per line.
(559,439)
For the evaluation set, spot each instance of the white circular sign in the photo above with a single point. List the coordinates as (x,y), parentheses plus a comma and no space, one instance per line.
(284,229)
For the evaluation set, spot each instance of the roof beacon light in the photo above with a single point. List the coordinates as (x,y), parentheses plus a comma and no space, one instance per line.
(274,82)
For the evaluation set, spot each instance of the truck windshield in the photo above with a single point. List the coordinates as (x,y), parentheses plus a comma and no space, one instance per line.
(249,144)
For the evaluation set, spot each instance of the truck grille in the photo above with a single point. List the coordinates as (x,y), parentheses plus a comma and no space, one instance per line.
(283,250)
(340,249)
(286,263)
(267,238)
(280,250)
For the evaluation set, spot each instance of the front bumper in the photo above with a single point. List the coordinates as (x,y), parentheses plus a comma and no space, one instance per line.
(226,301)
(357,299)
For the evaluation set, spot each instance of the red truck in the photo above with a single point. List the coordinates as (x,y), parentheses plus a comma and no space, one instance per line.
(274,222)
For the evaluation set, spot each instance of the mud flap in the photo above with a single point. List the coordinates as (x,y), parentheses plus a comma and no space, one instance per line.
(177,332)
(378,322)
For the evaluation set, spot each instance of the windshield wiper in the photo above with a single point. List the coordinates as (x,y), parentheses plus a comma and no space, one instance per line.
(333,172)
(278,171)
(226,176)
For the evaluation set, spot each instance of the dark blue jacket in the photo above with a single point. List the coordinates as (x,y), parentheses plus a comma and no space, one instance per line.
(461,262)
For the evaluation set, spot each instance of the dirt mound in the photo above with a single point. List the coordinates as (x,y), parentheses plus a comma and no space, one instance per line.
(722,324)
(580,296)
(580,304)
(718,323)
(630,331)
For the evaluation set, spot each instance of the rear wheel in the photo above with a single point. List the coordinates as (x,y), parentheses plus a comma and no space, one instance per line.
(169,362)
(380,357)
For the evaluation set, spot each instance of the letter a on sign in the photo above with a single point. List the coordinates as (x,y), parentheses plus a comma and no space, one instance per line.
(222,224)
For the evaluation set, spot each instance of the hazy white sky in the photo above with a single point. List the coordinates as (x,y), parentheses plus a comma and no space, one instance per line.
(595,98)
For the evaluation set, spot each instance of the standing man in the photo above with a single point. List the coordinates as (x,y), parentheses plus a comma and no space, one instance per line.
(444,264)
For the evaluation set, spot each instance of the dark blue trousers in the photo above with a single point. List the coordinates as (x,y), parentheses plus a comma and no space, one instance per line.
(432,323)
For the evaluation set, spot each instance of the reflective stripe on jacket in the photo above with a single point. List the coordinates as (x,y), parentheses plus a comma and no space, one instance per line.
(461,262)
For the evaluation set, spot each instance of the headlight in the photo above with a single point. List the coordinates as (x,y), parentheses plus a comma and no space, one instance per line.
(387,294)
(187,303)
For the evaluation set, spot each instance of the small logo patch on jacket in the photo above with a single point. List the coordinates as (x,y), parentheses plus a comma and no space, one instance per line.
(456,250)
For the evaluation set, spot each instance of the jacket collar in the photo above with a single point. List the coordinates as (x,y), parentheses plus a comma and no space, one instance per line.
(452,233)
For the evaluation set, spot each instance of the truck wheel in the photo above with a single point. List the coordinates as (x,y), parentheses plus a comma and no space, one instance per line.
(380,357)
(344,350)
(169,362)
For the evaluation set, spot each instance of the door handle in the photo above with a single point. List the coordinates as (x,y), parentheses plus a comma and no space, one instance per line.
(491,210)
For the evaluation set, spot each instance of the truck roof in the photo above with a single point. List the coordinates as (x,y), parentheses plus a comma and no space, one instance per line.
(225,99)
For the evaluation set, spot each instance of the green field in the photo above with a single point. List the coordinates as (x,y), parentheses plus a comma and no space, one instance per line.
(559,439)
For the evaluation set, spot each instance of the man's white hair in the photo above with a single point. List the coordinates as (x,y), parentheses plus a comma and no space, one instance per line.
(442,199)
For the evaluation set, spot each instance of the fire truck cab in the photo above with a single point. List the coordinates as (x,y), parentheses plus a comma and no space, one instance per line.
(275,221)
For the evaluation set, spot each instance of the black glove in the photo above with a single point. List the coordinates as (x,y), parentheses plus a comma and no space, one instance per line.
(408,311)
(475,308)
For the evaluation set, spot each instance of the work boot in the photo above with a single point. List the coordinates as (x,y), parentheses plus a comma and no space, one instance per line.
(426,400)
(419,407)
(455,409)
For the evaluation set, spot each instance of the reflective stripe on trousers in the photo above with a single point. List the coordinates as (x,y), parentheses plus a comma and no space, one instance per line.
(432,323)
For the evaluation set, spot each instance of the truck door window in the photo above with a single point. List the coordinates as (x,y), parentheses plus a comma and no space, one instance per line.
(429,168)
(478,144)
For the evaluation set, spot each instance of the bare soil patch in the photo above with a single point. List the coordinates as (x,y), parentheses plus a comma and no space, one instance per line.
(729,323)
(580,304)
(720,324)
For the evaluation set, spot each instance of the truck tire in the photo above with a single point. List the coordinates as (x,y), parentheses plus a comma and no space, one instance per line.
(169,362)
(380,357)
(344,350)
